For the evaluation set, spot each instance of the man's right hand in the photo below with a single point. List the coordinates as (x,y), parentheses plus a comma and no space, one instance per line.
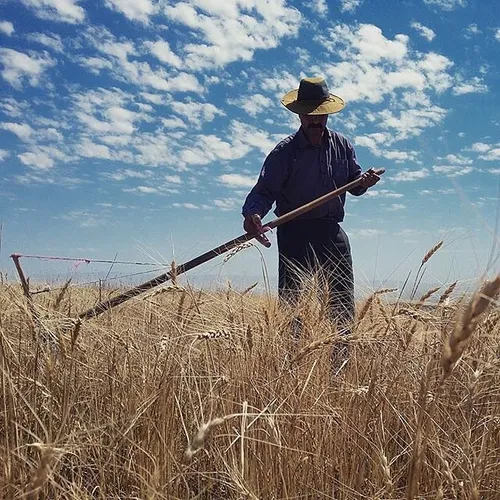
(253,225)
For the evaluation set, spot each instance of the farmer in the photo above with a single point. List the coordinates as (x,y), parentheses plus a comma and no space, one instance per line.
(301,168)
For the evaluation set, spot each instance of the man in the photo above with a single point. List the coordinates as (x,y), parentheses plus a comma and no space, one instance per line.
(301,168)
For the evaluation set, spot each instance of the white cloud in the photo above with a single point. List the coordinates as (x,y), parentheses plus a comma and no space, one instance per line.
(86,218)
(237,180)
(396,206)
(452,170)
(318,6)
(374,67)
(147,190)
(424,31)
(197,113)
(435,67)
(472,30)
(411,122)
(279,83)
(366,233)
(411,175)
(7,28)
(228,204)
(383,193)
(254,104)
(174,122)
(50,40)
(154,98)
(4,154)
(446,4)
(19,67)
(13,108)
(365,43)
(127,173)
(155,149)
(474,85)
(209,148)
(162,51)
(232,30)
(488,152)
(497,34)
(95,64)
(350,5)
(43,157)
(106,112)
(57,10)
(89,149)
(173,179)
(480,147)
(491,155)
(378,142)
(138,72)
(494,171)
(134,10)
(400,156)
(183,82)
(251,136)
(22,130)
(37,160)
(45,177)
(189,206)
(457,159)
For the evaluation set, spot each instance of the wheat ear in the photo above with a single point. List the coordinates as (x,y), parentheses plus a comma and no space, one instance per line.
(447,293)
(428,294)
(459,338)
(431,252)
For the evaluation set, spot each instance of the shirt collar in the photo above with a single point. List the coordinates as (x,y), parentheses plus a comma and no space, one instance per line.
(302,141)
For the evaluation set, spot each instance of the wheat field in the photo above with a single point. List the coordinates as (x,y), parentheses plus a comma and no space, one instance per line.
(187,394)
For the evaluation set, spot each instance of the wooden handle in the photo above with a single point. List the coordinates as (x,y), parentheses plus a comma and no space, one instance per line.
(318,201)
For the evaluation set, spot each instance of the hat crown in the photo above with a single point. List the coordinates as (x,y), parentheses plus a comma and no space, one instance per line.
(313,89)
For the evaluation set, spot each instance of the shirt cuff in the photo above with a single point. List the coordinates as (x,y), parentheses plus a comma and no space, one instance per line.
(358,190)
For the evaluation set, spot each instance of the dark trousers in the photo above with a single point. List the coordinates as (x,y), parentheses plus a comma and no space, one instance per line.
(317,245)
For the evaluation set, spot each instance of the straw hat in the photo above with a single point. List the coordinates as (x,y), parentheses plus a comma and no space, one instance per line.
(312,98)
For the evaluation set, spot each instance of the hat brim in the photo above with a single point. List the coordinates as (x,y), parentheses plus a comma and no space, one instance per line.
(332,104)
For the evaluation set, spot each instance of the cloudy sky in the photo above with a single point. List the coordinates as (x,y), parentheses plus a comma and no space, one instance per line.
(137,127)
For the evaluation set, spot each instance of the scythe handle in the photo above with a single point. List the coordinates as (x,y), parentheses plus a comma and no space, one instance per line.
(183,268)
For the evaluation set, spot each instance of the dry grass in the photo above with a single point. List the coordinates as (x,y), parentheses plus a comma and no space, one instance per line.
(196,395)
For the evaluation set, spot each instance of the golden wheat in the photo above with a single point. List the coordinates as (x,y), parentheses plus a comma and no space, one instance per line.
(124,398)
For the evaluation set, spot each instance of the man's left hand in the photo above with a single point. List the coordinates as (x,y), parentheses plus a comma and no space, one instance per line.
(369,178)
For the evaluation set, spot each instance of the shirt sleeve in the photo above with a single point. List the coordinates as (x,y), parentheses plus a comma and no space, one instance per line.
(354,170)
(264,193)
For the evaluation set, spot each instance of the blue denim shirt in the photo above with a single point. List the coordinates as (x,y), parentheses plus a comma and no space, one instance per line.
(296,172)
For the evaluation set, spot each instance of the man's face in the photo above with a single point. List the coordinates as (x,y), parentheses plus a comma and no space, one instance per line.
(314,127)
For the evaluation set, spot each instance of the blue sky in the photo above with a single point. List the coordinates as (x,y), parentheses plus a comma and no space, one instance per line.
(137,127)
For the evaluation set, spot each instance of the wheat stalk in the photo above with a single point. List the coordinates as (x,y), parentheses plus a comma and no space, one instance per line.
(459,338)
(369,301)
(48,452)
(61,294)
(313,346)
(203,434)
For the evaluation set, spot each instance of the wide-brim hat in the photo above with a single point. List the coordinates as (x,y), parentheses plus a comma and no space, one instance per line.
(312,98)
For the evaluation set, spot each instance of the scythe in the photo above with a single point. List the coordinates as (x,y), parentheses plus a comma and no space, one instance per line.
(183,268)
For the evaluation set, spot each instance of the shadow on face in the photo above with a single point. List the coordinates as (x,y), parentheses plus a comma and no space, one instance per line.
(314,127)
